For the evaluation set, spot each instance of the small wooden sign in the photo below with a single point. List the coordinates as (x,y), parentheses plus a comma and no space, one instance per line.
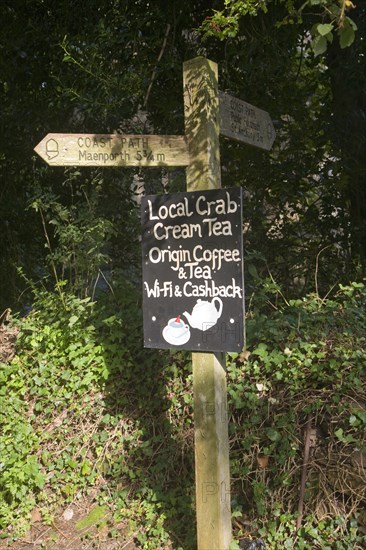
(245,123)
(113,150)
(192,253)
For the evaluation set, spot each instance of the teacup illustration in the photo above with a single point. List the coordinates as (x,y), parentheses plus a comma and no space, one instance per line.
(176,332)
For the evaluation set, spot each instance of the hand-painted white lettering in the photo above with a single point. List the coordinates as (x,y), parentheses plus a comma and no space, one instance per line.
(184,231)
(217,228)
(175,210)
(210,289)
(151,215)
(197,271)
(219,206)
(166,291)
(156,255)
(216,256)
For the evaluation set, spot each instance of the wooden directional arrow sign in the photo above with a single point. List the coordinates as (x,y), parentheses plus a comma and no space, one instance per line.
(113,150)
(243,122)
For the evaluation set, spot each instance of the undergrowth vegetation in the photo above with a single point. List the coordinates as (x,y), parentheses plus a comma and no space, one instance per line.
(86,410)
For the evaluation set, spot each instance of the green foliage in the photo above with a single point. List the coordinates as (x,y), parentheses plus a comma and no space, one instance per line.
(60,361)
(95,516)
(80,233)
(74,412)
(323,34)
(305,361)
(109,74)
(224,24)
(85,406)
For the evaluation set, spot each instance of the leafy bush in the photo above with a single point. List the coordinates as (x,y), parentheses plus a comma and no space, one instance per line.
(305,373)
(74,416)
(86,410)
(58,363)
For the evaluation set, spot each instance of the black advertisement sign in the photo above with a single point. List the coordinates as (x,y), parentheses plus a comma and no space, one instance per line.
(192,253)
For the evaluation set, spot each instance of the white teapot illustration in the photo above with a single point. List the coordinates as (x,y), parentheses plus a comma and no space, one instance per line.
(204,314)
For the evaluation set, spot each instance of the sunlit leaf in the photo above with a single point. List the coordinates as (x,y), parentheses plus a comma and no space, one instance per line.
(324,29)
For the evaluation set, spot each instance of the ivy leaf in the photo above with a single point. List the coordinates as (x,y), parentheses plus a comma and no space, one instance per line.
(73,319)
(353,420)
(273,434)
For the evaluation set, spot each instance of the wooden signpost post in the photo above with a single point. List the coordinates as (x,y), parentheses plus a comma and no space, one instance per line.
(208,113)
(213,510)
